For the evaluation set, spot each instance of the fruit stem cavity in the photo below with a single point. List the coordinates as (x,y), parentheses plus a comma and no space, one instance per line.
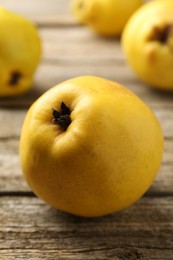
(14,79)
(62,118)
(162,34)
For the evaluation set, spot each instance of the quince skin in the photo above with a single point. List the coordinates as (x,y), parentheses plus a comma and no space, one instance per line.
(90,147)
(147,41)
(106,17)
(20,51)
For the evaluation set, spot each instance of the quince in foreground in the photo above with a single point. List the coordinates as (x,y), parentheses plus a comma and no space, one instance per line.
(90,147)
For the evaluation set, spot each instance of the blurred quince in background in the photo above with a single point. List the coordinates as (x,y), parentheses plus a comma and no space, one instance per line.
(106,17)
(147,41)
(20,52)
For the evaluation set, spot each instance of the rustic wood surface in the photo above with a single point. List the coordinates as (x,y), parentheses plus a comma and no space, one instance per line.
(30,229)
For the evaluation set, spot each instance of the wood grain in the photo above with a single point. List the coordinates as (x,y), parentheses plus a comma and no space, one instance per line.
(49,74)
(40,9)
(28,227)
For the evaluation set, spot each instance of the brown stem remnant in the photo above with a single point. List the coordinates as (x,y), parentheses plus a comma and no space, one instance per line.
(14,78)
(162,34)
(62,118)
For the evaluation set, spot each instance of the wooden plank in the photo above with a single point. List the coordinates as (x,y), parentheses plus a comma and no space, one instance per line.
(44,13)
(11,179)
(99,253)
(33,8)
(79,44)
(30,229)
(39,9)
(50,74)
(53,13)
(10,123)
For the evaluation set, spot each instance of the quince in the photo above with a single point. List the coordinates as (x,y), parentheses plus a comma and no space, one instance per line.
(90,147)
(20,51)
(147,41)
(106,17)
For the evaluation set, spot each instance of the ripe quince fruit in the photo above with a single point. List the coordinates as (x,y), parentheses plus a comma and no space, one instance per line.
(106,17)
(90,147)
(20,51)
(147,41)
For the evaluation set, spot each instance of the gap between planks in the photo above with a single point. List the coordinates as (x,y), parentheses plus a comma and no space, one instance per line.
(148,194)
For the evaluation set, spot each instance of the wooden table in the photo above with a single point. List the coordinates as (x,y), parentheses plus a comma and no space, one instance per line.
(30,229)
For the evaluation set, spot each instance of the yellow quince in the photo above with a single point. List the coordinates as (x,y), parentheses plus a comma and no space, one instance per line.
(90,147)
(106,17)
(20,51)
(147,41)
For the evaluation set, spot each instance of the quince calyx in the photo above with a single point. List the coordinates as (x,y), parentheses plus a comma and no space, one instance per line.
(15,77)
(62,118)
(162,34)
